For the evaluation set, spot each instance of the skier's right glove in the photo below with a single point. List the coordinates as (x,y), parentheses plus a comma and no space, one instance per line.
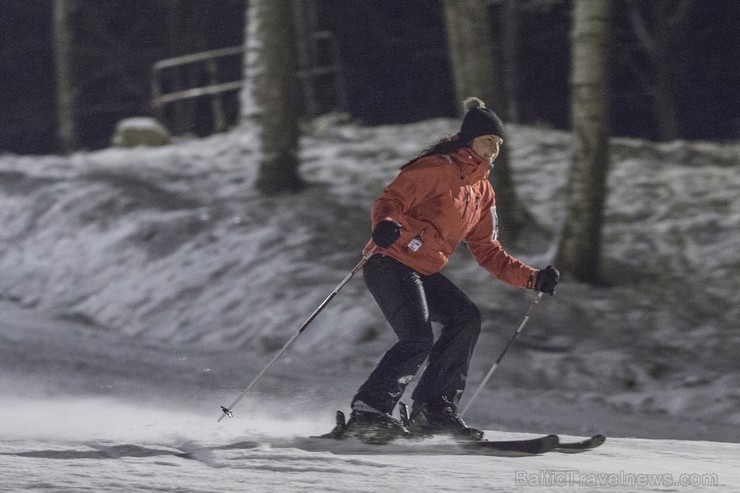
(546,280)
(386,233)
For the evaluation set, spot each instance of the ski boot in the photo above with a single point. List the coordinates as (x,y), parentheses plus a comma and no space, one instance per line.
(441,418)
(375,428)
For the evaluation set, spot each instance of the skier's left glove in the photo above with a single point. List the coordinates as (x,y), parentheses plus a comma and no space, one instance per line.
(546,280)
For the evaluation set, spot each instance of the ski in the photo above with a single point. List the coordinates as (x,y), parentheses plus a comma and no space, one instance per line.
(422,445)
(530,446)
(580,446)
(436,446)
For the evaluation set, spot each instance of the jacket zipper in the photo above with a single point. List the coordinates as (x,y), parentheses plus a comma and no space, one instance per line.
(467,200)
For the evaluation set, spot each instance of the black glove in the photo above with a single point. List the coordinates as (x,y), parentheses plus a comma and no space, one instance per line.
(547,279)
(386,233)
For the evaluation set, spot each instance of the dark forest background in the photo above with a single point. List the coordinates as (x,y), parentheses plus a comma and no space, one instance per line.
(393,54)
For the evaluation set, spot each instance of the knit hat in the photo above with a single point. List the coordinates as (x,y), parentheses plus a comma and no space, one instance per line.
(479,120)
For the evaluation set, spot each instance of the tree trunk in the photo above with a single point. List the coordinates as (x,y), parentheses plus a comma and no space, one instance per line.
(579,251)
(475,65)
(511,41)
(660,41)
(271,96)
(251,66)
(65,84)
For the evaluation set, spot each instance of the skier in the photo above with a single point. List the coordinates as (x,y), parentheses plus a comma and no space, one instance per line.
(438,199)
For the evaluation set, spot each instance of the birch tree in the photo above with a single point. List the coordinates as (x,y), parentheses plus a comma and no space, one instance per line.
(271,97)
(66,93)
(579,250)
(476,68)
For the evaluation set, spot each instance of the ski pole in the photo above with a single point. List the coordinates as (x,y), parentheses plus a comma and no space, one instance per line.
(227,410)
(501,356)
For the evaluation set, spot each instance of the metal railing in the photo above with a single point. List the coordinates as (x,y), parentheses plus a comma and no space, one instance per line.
(160,99)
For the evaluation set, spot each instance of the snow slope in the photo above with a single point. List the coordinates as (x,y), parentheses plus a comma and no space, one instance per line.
(141,289)
(100,445)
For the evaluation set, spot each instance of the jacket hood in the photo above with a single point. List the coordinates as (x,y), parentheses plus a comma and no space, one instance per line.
(473,167)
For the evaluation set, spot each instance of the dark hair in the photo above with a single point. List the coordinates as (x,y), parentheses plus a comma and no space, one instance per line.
(443,146)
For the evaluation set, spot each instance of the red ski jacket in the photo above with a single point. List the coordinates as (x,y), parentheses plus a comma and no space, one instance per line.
(439,201)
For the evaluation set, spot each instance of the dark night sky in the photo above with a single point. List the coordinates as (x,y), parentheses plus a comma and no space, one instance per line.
(395,61)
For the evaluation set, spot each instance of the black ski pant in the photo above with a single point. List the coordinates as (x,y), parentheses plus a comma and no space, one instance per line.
(411,302)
